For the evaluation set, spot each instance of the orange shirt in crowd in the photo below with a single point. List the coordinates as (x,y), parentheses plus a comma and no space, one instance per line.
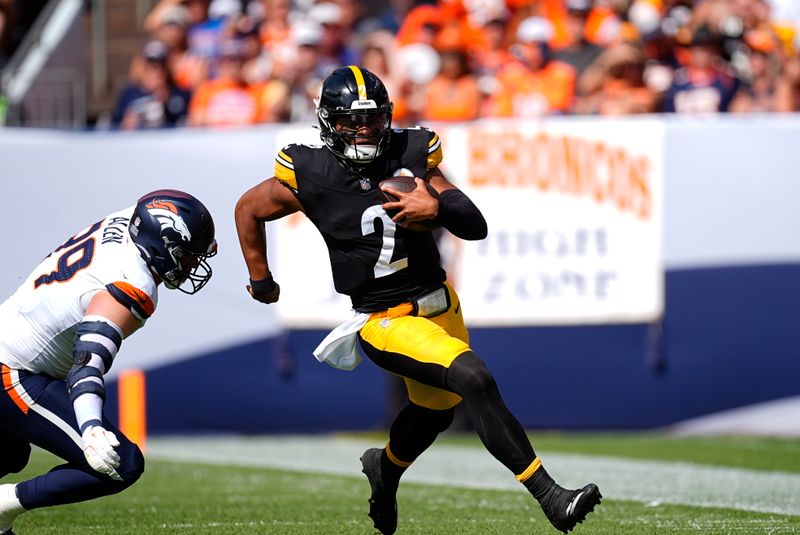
(223,102)
(602,24)
(271,35)
(419,25)
(189,70)
(525,93)
(452,100)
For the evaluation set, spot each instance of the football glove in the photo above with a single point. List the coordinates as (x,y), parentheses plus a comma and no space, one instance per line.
(98,448)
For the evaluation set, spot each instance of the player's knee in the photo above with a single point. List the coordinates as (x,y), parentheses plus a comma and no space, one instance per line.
(441,420)
(131,464)
(468,376)
(480,382)
(432,420)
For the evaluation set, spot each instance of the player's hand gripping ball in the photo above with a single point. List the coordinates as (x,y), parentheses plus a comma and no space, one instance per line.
(406,184)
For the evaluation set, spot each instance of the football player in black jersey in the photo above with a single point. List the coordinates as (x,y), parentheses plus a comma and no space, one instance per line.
(408,320)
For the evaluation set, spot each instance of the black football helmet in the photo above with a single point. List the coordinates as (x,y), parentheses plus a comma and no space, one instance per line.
(355,115)
(175,235)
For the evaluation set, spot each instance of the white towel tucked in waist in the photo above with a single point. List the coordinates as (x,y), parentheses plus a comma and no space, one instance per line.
(339,348)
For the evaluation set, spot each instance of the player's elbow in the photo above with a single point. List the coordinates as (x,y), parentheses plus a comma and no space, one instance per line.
(459,215)
(475,229)
(482,230)
(241,208)
(244,209)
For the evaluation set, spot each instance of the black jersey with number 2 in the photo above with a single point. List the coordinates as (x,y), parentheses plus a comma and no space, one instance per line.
(377,263)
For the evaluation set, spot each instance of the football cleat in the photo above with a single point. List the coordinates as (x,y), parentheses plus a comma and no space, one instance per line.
(10,508)
(564,508)
(383,501)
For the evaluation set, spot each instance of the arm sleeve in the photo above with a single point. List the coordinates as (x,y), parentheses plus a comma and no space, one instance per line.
(96,343)
(459,215)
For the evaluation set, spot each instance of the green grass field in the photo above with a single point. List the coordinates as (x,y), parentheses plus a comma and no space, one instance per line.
(652,484)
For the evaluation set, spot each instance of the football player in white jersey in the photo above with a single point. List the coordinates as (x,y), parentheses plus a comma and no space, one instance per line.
(59,334)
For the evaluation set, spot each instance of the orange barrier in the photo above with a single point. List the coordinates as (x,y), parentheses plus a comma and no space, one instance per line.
(132,407)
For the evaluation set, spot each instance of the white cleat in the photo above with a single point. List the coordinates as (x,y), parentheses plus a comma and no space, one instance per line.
(10,508)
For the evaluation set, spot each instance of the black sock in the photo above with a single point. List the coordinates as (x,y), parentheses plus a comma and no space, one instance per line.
(390,472)
(539,483)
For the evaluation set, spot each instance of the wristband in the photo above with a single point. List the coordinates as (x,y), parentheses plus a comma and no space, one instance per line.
(263,286)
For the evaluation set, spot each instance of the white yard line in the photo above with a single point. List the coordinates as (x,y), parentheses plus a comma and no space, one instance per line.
(652,482)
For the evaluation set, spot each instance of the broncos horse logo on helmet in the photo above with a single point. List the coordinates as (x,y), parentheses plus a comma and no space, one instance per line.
(355,114)
(175,235)
(168,218)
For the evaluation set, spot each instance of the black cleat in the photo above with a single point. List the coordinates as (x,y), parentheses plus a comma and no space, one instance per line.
(382,502)
(565,508)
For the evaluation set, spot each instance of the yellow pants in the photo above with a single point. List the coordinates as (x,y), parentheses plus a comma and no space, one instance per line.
(418,349)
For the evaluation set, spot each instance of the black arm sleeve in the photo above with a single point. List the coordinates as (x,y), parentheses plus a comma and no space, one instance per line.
(459,215)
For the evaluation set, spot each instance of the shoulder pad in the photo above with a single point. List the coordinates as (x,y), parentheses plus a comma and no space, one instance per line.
(434,157)
(434,150)
(284,166)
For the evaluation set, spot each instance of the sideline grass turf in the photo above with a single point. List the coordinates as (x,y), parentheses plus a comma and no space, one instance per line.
(185,498)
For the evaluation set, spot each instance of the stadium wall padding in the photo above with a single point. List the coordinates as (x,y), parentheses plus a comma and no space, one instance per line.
(726,342)
(217,361)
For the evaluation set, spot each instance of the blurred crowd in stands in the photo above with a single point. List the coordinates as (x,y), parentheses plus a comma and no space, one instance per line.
(236,62)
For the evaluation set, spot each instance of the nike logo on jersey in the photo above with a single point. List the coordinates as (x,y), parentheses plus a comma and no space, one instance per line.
(458,307)
(573,503)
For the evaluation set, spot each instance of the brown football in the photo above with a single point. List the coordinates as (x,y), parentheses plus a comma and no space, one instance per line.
(406,184)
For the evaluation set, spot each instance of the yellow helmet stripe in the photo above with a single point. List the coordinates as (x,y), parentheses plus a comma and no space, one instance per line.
(362,86)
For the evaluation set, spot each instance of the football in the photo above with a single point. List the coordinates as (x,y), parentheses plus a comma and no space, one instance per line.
(406,184)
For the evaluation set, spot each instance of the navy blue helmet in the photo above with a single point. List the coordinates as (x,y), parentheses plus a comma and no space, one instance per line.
(175,235)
